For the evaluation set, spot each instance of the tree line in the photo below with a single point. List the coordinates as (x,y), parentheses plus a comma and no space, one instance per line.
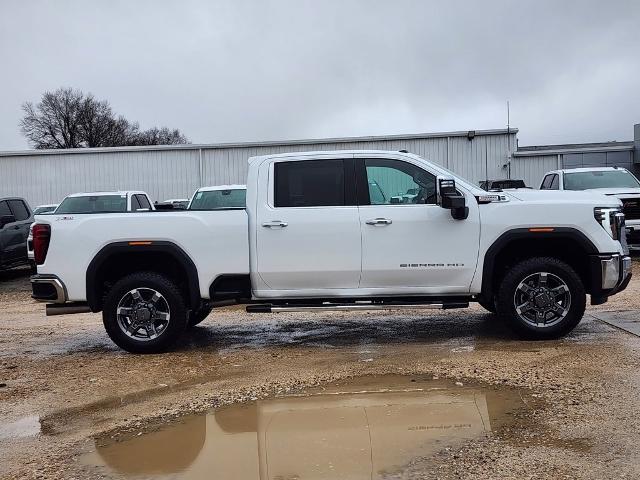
(69,118)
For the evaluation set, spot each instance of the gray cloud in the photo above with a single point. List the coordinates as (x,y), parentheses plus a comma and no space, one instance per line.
(236,70)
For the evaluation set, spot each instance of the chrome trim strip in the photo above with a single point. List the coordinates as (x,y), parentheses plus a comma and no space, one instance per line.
(61,294)
(347,307)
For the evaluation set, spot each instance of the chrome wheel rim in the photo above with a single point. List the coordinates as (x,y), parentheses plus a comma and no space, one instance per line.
(542,299)
(143,314)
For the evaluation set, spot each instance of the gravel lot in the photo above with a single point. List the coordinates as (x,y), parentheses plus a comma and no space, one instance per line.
(581,392)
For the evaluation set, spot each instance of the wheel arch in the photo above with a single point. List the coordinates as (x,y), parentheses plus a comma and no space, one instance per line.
(118,259)
(565,243)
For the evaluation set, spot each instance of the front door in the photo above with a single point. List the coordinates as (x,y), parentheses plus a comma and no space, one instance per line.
(13,236)
(308,232)
(409,243)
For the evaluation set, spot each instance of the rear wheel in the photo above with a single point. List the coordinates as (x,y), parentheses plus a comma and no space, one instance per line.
(144,313)
(541,298)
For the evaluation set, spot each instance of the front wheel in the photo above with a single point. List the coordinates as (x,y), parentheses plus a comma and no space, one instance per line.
(144,313)
(541,298)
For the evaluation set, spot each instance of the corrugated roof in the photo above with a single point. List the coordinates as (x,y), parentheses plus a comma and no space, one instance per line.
(537,150)
(310,141)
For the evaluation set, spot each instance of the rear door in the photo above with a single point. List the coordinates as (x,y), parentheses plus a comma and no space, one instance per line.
(308,229)
(409,243)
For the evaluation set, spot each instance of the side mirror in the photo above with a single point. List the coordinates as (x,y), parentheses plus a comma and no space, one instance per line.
(449,198)
(6,219)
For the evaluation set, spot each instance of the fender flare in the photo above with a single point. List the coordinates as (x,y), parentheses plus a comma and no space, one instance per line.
(115,248)
(558,233)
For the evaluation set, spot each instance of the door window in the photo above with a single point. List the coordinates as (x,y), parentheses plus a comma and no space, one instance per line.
(546,183)
(314,183)
(135,205)
(19,210)
(4,209)
(143,201)
(394,182)
(554,183)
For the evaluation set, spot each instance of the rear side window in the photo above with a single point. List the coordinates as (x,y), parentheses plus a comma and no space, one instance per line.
(554,183)
(135,204)
(19,210)
(143,201)
(546,183)
(4,209)
(313,183)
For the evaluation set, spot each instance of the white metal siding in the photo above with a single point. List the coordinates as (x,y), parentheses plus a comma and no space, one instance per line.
(176,172)
(531,169)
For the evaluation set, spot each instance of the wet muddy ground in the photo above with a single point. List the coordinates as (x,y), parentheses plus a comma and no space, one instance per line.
(74,406)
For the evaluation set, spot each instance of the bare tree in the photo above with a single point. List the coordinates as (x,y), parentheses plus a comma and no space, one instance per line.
(54,122)
(68,118)
(160,136)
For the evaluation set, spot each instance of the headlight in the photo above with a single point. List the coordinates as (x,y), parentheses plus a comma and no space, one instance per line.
(611,219)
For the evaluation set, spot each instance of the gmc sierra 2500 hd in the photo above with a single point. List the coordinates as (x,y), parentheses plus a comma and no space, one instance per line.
(321,231)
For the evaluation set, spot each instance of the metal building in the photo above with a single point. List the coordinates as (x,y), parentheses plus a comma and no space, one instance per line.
(47,176)
(530,163)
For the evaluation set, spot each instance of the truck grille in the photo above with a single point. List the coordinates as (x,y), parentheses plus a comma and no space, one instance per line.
(631,208)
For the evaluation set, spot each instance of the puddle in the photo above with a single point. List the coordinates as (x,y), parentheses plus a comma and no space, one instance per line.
(24,427)
(365,428)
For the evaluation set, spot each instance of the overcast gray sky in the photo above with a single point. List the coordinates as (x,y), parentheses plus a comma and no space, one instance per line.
(225,71)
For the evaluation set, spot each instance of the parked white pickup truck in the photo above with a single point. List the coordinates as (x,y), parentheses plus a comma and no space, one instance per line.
(314,237)
(611,181)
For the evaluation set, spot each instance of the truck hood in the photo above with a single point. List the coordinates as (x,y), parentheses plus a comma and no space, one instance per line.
(563,196)
(618,192)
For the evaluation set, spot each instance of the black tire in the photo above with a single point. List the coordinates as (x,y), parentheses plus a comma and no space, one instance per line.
(489,306)
(171,294)
(198,316)
(574,308)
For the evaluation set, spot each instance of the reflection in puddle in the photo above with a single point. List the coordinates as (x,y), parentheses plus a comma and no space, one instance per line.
(25,427)
(362,429)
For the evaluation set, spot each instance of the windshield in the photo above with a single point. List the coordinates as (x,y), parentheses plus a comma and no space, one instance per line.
(600,179)
(43,210)
(219,199)
(94,204)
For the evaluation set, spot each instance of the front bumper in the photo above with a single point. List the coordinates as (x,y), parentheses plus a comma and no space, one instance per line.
(48,288)
(610,274)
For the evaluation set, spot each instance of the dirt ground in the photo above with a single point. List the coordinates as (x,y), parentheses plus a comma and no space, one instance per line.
(63,384)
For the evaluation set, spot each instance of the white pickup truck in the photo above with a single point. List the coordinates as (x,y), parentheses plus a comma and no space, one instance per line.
(611,181)
(320,232)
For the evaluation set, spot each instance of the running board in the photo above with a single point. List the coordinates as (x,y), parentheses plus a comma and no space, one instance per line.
(332,307)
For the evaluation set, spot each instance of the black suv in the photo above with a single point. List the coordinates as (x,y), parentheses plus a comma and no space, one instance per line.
(502,184)
(15,219)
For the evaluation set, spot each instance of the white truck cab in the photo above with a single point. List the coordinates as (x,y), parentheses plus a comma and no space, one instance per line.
(615,182)
(328,231)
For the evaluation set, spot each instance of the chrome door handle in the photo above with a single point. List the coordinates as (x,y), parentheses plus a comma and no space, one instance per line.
(275,223)
(379,221)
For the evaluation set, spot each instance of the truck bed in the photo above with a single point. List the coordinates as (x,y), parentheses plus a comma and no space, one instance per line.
(216,241)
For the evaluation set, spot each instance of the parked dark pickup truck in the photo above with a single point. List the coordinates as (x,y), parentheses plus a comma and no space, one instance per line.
(15,219)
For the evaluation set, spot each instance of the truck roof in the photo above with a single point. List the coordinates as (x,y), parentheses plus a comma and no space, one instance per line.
(587,169)
(222,187)
(331,152)
(93,194)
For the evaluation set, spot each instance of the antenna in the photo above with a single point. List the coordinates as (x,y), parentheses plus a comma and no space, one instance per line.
(486,165)
(508,143)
